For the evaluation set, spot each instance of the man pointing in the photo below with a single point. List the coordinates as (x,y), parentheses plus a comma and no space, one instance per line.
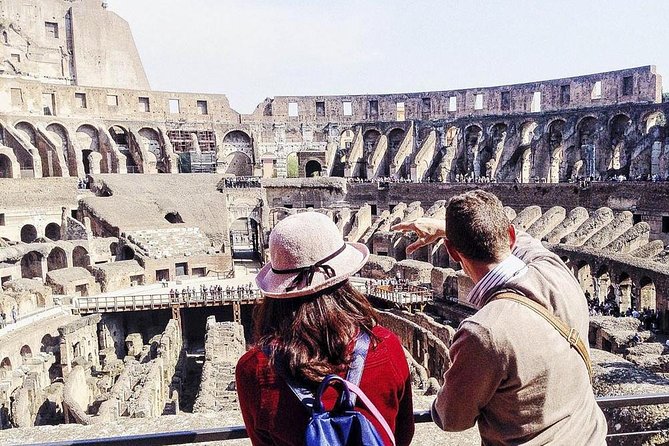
(524,381)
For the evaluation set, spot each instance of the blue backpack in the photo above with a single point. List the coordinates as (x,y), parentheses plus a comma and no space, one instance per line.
(343,425)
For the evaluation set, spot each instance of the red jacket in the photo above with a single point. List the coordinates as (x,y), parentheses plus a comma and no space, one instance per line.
(274,416)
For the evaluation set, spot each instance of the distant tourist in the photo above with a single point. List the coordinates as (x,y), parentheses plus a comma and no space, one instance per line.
(306,327)
(4,417)
(14,314)
(516,392)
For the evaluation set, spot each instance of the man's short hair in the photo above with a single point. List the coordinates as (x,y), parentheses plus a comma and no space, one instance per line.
(477,226)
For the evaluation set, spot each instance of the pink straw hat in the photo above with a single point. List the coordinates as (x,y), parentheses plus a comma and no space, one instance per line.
(307,255)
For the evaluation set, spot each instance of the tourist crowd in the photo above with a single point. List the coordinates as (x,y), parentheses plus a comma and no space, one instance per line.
(84,183)
(8,319)
(241,182)
(610,307)
(213,292)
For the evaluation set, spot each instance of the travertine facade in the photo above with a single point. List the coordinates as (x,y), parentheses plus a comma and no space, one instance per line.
(107,184)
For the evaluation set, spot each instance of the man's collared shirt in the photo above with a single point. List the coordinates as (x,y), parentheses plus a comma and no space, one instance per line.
(510,267)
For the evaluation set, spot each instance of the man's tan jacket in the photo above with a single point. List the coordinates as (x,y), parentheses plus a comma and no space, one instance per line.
(514,373)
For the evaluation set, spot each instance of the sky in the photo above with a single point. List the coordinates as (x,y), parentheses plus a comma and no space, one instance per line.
(253,49)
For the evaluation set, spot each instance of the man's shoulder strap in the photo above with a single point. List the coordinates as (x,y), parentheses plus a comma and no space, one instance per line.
(569,333)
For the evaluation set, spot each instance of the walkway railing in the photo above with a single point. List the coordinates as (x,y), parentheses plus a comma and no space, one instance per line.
(106,304)
(400,294)
(238,432)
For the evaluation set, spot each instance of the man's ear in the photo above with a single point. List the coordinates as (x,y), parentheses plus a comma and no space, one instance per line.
(512,237)
(455,255)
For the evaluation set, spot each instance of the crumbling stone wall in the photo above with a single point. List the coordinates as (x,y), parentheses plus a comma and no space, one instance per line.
(79,344)
(429,350)
(224,345)
(141,386)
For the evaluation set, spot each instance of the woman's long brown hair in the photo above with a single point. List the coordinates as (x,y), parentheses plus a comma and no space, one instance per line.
(311,333)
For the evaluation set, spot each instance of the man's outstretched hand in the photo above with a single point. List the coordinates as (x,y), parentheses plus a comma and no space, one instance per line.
(428,230)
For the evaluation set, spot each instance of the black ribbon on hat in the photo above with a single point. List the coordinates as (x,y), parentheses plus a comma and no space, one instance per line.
(307,272)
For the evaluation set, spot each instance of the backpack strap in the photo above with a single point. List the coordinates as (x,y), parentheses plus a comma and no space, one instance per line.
(349,390)
(569,333)
(354,374)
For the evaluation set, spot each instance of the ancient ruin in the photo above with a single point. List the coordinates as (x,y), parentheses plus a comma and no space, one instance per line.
(131,220)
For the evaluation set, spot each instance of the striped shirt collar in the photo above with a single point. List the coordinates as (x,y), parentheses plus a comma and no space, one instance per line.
(510,267)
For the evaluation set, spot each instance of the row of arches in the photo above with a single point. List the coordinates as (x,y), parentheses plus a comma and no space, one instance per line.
(627,290)
(48,344)
(35,264)
(560,149)
(29,232)
(87,150)
(600,146)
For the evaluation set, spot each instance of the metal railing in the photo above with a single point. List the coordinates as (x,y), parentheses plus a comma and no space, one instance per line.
(103,304)
(239,432)
(400,295)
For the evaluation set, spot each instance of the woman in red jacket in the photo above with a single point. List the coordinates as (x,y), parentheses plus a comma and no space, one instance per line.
(308,322)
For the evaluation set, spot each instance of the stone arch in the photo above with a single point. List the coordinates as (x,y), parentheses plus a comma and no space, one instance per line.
(292,165)
(149,140)
(88,142)
(239,164)
(586,131)
(492,151)
(399,247)
(238,141)
(617,158)
(6,364)
(6,170)
(26,352)
(52,231)
(27,130)
(526,165)
(60,137)
(312,168)
(23,156)
(625,291)
(602,282)
(28,233)
(57,259)
(127,253)
(31,265)
(49,158)
(121,137)
(469,163)
(647,294)
(346,139)
(48,343)
(584,277)
(654,120)
(80,257)
(555,131)
(113,249)
(395,138)
(369,140)
(244,237)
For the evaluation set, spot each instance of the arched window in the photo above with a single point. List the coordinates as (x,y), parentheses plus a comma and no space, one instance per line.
(28,234)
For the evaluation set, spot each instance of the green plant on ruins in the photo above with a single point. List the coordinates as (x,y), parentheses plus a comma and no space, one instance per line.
(292,167)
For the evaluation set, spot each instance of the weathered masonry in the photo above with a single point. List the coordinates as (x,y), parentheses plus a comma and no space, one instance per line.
(70,112)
